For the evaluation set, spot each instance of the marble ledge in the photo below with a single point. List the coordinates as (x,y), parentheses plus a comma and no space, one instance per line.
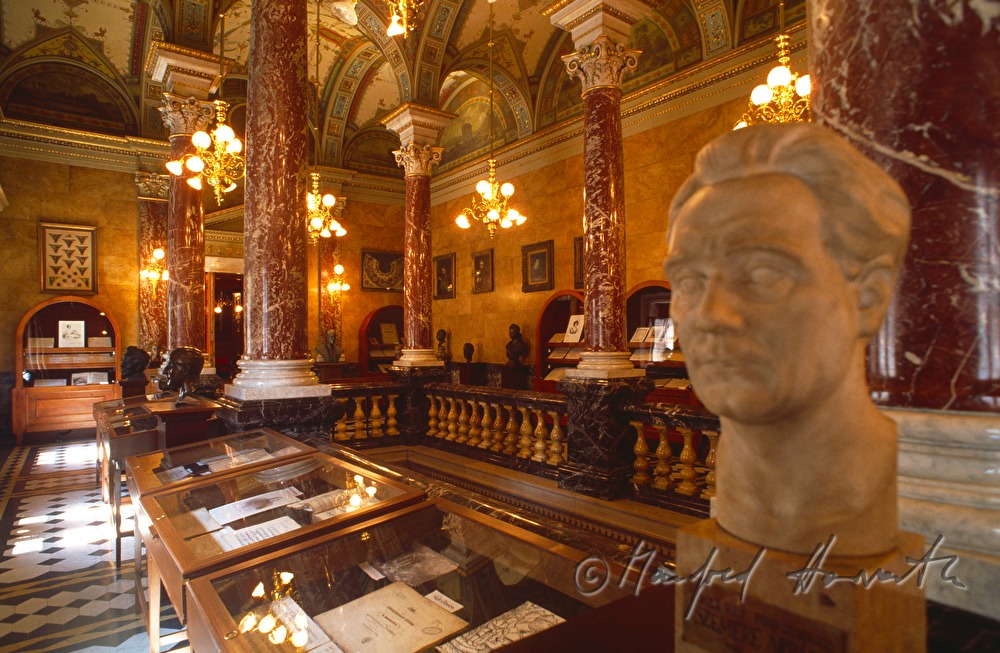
(954,428)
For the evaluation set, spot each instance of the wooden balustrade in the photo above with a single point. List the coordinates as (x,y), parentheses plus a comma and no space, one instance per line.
(369,412)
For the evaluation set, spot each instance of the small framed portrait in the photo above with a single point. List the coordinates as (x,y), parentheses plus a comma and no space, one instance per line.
(444,276)
(68,258)
(578,262)
(536,267)
(574,329)
(71,333)
(482,271)
(381,271)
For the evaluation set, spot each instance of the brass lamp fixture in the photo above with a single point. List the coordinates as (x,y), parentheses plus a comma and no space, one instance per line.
(236,301)
(491,207)
(156,271)
(337,283)
(218,157)
(403,17)
(785,96)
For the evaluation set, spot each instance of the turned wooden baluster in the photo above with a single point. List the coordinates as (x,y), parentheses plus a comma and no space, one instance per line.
(524,444)
(341,428)
(661,473)
(375,417)
(359,418)
(390,422)
(475,428)
(486,436)
(687,458)
(541,434)
(709,491)
(432,417)
(463,422)
(557,452)
(443,420)
(498,432)
(641,450)
(452,420)
(510,442)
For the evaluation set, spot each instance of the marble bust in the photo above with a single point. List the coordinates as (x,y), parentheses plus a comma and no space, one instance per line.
(182,371)
(783,248)
(329,351)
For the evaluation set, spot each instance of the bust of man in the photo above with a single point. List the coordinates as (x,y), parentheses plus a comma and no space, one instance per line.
(442,350)
(134,363)
(330,351)
(517,347)
(467,350)
(783,248)
(182,371)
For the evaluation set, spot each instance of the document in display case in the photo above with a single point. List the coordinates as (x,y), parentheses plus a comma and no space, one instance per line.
(218,521)
(435,576)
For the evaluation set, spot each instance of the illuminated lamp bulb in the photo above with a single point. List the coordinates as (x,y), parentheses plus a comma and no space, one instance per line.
(286,577)
(345,286)
(335,226)
(355,500)
(300,638)
(506,223)
(201,139)
(462,221)
(493,215)
(194,182)
(248,622)
(166,275)
(144,274)
(224,133)
(779,76)
(175,167)
(371,490)
(325,233)
(195,164)
(761,95)
(316,223)
(235,147)
(158,254)
(258,591)
(278,635)
(483,188)
(338,269)
(359,479)
(341,232)
(395,27)
(803,86)
(267,623)
(329,200)
(238,308)
(507,189)
(740,125)
(218,309)
(230,188)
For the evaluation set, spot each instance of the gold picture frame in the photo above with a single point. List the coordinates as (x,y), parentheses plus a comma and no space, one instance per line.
(67,258)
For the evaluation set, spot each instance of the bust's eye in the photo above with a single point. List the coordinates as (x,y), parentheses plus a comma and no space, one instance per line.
(690,284)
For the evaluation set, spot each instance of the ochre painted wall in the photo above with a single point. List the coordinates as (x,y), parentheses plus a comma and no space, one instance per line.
(50,192)
(656,163)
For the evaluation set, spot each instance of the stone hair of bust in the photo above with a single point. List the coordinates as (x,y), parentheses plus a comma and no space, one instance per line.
(865,214)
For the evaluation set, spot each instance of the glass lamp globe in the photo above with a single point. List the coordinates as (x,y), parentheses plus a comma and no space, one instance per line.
(761,95)
(507,189)
(779,76)
(803,86)
(225,133)
(201,139)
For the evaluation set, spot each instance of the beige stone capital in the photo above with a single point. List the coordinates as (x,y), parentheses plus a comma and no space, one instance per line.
(417,160)
(417,123)
(152,186)
(586,20)
(602,64)
(186,115)
(184,71)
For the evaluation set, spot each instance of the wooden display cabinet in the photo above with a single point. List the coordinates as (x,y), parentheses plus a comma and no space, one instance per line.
(59,376)
(376,351)
(452,570)
(552,320)
(652,343)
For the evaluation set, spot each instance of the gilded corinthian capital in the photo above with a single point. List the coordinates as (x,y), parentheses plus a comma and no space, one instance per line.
(186,115)
(602,64)
(418,159)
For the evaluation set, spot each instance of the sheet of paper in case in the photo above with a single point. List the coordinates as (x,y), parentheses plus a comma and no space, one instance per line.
(394,619)
(524,620)
(250,506)
(417,567)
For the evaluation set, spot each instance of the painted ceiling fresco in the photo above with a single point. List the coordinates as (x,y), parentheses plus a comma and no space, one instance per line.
(84,64)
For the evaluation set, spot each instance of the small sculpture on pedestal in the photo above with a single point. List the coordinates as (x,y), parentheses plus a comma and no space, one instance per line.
(517,347)
(182,371)
(467,350)
(329,351)
(442,350)
(134,363)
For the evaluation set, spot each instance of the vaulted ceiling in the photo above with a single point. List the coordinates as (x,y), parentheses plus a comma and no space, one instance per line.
(85,64)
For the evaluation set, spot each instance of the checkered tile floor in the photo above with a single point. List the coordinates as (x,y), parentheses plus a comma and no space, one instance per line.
(59,589)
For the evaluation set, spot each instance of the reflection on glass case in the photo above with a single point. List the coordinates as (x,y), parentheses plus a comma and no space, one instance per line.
(431,575)
(152,471)
(217,521)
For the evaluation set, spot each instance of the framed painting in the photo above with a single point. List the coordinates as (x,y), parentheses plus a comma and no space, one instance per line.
(578,262)
(444,276)
(72,333)
(381,271)
(67,258)
(482,271)
(536,267)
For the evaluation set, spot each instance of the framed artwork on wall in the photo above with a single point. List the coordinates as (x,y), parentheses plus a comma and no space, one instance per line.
(578,262)
(381,271)
(482,271)
(67,258)
(537,267)
(444,276)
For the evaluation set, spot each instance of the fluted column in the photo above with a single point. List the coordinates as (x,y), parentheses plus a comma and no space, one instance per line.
(153,192)
(418,127)
(276,362)
(186,322)
(601,62)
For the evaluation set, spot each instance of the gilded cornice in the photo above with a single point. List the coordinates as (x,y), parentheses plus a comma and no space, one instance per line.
(418,160)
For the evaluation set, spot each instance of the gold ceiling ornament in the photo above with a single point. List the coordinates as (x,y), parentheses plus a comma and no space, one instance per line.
(403,17)
(785,96)
(320,220)
(218,157)
(490,207)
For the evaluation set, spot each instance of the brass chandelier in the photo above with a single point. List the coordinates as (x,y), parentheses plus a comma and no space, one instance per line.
(403,16)
(785,96)
(491,207)
(218,157)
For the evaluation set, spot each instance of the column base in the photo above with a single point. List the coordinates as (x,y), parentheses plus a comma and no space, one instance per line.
(841,616)
(605,365)
(419,358)
(275,379)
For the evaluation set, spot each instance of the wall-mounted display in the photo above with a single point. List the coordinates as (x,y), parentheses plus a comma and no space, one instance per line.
(444,276)
(381,271)
(537,267)
(482,271)
(67,256)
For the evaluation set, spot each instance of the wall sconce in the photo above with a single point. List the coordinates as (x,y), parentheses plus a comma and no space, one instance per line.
(337,283)
(156,271)
(236,301)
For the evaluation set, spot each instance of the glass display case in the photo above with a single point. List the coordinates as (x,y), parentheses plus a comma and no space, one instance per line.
(433,574)
(214,523)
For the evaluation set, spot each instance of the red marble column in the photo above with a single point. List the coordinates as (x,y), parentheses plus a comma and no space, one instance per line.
(600,67)
(186,323)
(276,362)
(914,86)
(153,209)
